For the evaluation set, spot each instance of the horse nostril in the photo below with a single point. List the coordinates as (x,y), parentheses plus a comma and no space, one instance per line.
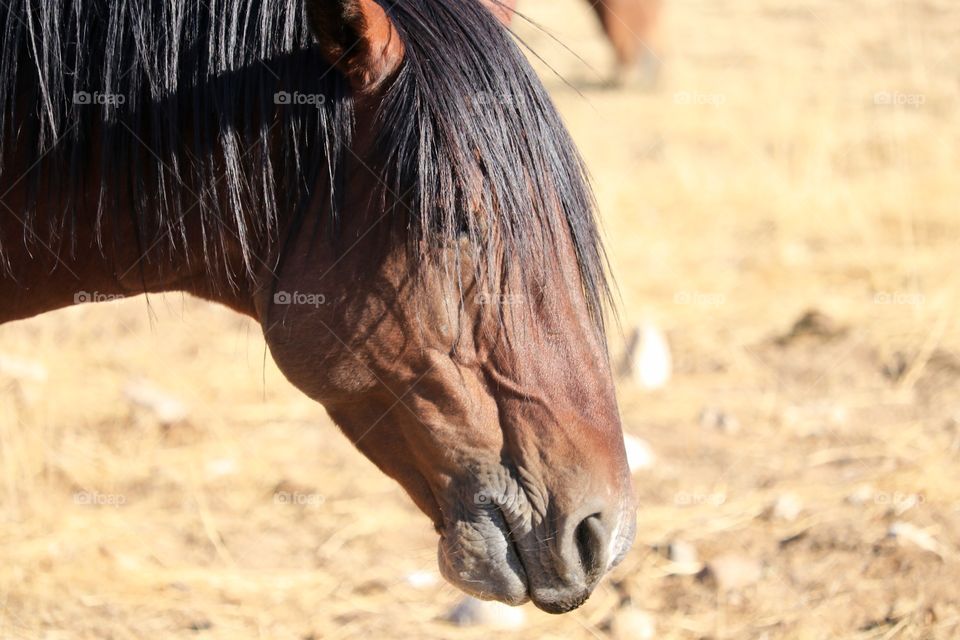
(582,556)
(591,540)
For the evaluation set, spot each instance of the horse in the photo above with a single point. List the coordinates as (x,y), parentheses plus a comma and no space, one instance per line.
(630,26)
(386,188)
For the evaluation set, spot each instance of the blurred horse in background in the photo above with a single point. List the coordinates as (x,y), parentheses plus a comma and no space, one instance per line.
(631,28)
(388,190)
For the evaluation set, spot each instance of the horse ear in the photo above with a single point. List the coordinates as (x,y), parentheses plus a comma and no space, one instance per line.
(358,38)
(503,9)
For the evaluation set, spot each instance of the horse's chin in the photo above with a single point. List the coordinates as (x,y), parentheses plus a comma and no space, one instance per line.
(480,559)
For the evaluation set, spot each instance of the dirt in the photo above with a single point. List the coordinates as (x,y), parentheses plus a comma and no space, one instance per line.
(783,207)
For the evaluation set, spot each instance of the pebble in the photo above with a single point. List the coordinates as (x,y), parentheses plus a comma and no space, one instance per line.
(22,369)
(813,324)
(684,557)
(714,418)
(682,551)
(814,419)
(471,612)
(787,507)
(647,359)
(861,495)
(734,572)
(633,624)
(904,531)
(639,454)
(421,579)
(221,467)
(162,404)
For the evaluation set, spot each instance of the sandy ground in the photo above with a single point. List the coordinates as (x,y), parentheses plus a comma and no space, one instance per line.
(797,157)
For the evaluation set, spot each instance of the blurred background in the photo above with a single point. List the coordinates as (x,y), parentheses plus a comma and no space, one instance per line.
(780,209)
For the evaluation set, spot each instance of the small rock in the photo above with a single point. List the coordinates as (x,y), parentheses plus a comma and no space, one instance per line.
(861,495)
(647,358)
(904,531)
(221,467)
(682,551)
(787,507)
(22,369)
(421,579)
(200,624)
(813,325)
(714,418)
(814,419)
(633,624)
(734,572)
(684,557)
(471,612)
(168,409)
(639,454)
(902,504)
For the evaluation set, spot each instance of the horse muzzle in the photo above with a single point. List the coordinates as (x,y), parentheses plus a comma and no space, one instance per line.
(498,553)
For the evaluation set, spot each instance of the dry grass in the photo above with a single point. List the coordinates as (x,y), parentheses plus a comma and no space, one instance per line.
(759,181)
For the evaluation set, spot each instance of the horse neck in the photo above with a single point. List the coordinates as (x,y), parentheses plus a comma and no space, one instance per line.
(94,257)
(40,273)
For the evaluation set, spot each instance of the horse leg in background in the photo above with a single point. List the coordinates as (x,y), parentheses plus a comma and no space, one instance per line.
(503,9)
(630,26)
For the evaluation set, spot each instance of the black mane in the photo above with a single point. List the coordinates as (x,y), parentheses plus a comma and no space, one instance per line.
(466,126)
